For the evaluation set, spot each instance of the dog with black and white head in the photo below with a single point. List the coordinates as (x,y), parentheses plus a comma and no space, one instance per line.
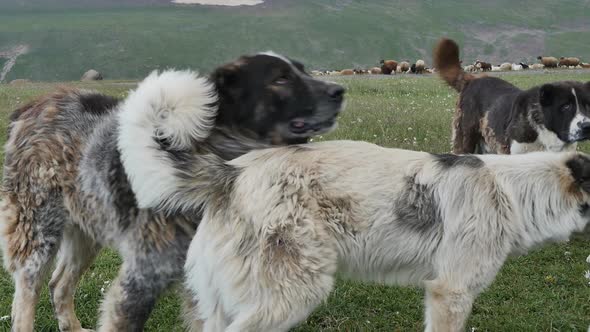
(494,116)
(76,160)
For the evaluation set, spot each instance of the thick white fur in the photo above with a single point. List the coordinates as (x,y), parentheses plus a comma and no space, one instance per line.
(173,105)
(269,255)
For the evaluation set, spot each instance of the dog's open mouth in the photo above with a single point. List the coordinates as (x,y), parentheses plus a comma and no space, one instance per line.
(302,126)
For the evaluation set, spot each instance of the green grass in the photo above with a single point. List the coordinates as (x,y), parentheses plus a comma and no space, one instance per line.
(127,42)
(543,291)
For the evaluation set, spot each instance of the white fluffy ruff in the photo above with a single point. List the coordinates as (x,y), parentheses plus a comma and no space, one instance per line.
(172,105)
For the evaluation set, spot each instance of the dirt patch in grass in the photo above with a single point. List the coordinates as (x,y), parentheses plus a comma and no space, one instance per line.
(219,2)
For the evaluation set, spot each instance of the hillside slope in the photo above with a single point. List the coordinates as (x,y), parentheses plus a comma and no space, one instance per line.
(129,39)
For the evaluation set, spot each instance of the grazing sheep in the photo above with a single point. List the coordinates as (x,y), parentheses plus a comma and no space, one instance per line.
(537,66)
(548,61)
(516,67)
(585,65)
(506,66)
(496,68)
(568,62)
(404,66)
(388,66)
(524,65)
(483,66)
(347,72)
(375,71)
(418,67)
(316,73)
(470,68)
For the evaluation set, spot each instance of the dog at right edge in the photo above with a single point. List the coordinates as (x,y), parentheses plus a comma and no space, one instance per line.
(494,116)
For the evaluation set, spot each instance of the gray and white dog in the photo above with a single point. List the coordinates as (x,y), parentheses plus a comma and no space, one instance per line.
(278,224)
(70,158)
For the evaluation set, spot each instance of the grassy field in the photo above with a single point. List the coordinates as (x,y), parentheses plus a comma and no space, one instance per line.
(543,291)
(66,38)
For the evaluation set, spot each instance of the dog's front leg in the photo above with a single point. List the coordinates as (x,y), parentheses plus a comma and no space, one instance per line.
(447,309)
(133,295)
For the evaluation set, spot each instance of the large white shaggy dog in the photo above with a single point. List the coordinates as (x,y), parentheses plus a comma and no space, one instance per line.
(279,223)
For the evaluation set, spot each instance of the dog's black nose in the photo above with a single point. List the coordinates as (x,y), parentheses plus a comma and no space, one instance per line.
(584,125)
(336,92)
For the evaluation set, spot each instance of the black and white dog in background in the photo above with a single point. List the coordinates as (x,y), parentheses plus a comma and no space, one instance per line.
(494,116)
(279,223)
(72,164)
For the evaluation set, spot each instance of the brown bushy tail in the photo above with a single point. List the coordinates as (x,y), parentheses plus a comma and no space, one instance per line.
(446,61)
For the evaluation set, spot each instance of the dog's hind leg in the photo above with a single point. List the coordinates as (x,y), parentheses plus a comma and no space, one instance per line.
(76,253)
(30,237)
(457,135)
(298,277)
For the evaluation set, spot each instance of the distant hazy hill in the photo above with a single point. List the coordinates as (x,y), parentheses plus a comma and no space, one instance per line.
(128,38)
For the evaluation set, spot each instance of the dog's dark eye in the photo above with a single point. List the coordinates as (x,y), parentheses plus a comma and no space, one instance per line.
(566,107)
(281,80)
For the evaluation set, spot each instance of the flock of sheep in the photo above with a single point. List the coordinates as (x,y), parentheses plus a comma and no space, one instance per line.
(544,62)
(389,67)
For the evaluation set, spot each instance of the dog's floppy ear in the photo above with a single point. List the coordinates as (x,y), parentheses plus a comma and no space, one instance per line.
(587,86)
(579,165)
(298,65)
(521,103)
(522,111)
(227,78)
(546,94)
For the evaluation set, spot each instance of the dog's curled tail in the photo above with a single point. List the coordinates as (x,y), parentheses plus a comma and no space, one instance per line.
(176,107)
(446,61)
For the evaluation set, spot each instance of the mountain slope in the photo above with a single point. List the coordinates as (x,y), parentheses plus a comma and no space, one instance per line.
(130,39)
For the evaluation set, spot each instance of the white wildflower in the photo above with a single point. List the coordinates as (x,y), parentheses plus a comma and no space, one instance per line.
(4,318)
